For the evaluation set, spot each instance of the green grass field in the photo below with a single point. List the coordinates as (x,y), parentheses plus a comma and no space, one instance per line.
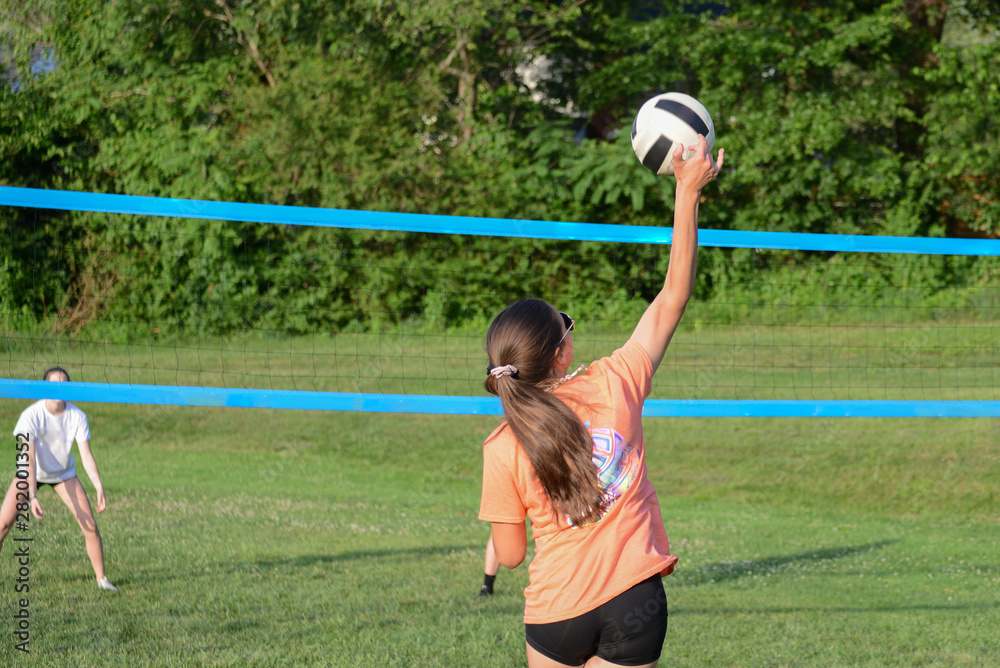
(279,538)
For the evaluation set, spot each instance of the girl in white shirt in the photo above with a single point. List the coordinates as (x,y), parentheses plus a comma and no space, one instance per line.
(49,427)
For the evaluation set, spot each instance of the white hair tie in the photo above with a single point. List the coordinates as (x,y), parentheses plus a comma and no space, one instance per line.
(501,371)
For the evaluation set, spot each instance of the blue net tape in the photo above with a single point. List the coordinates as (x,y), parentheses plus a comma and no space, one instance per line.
(442,405)
(498,227)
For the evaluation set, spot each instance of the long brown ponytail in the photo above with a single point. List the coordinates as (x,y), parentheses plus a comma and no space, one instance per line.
(526,335)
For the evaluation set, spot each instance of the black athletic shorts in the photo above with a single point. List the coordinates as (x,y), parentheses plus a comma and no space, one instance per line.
(627,630)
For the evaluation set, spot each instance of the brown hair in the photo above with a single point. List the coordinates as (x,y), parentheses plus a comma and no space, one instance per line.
(49,372)
(527,335)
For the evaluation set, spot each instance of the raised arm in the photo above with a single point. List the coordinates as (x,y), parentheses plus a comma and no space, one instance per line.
(658,323)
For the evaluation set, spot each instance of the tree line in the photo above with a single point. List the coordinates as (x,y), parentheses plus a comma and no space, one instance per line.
(838,117)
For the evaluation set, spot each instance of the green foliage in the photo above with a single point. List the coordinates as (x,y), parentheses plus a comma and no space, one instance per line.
(868,118)
(962,138)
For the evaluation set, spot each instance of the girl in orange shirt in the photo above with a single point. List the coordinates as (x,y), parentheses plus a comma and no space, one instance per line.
(570,457)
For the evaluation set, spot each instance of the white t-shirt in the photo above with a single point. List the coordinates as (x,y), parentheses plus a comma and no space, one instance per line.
(54,435)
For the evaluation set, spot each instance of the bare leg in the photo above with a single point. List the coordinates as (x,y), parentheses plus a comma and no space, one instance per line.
(490,569)
(492,564)
(8,511)
(75,497)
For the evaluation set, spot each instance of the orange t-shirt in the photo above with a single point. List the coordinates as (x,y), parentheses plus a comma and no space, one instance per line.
(576,569)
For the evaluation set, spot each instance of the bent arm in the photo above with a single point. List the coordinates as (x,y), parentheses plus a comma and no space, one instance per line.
(659,322)
(510,541)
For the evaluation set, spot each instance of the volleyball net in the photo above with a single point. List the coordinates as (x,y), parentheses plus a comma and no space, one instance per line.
(184,302)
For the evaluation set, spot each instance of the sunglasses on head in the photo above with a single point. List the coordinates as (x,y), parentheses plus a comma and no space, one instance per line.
(568,321)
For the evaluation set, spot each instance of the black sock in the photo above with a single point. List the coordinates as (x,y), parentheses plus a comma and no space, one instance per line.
(488,582)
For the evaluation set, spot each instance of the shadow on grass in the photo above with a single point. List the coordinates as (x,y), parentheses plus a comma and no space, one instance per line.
(506,603)
(729,571)
(305,561)
(366,555)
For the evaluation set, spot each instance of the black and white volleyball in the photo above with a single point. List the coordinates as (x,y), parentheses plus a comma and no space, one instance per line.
(663,122)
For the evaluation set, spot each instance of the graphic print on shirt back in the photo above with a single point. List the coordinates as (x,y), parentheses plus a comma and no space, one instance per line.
(617,466)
